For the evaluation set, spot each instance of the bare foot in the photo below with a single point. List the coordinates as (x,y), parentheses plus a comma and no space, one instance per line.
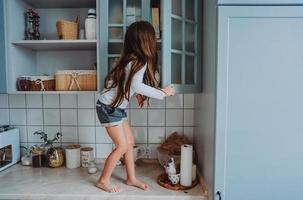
(107,187)
(137,183)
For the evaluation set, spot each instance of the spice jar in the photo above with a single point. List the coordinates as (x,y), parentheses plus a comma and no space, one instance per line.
(92,168)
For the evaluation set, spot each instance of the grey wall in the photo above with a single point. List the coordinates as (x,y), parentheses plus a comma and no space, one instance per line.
(205,101)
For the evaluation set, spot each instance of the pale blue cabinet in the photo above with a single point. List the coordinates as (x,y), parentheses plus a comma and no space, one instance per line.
(258,128)
(253,2)
(3,83)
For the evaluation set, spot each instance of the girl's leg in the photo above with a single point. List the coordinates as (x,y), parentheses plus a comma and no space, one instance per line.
(129,159)
(118,137)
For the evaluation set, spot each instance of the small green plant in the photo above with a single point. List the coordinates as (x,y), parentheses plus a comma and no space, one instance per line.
(48,142)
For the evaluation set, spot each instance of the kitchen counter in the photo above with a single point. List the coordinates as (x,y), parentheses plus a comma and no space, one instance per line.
(19,182)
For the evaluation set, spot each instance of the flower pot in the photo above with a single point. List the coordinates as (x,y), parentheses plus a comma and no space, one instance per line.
(55,157)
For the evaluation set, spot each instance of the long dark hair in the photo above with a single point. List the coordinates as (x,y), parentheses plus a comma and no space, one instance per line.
(140,48)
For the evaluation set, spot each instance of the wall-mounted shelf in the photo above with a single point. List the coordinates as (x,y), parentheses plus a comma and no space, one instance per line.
(50,45)
(52,92)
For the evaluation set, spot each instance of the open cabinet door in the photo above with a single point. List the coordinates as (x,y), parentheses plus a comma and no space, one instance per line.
(181,50)
(259,103)
(3,75)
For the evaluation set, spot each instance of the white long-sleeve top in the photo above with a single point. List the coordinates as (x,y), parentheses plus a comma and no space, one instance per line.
(107,96)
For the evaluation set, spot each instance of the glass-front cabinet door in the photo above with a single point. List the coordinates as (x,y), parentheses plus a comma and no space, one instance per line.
(116,16)
(181,44)
(177,30)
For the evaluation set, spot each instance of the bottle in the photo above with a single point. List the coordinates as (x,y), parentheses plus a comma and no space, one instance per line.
(90,25)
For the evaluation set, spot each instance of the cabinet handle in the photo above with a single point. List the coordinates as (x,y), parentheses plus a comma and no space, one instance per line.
(219,194)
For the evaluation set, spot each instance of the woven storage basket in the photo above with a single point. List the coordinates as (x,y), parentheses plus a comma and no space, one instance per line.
(36,83)
(67,30)
(76,80)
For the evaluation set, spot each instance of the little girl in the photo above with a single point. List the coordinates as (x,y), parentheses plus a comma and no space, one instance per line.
(134,73)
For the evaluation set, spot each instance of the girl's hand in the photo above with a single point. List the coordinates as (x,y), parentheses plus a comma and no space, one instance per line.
(169,90)
(140,100)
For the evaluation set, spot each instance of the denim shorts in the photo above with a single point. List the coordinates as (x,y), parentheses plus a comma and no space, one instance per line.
(110,116)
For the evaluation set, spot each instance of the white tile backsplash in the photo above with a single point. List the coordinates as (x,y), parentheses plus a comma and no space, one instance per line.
(189,133)
(156,134)
(156,117)
(17,101)
(188,117)
(69,134)
(4,116)
(3,101)
(34,100)
(86,117)
(35,117)
(138,117)
(51,116)
(174,117)
(68,117)
(75,116)
(17,116)
(102,136)
(189,100)
(155,103)
(51,101)
(140,134)
(174,101)
(86,100)
(87,135)
(170,130)
(103,150)
(68,101)
(30,133)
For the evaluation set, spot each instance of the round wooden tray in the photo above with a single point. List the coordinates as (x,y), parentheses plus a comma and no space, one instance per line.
(163,181)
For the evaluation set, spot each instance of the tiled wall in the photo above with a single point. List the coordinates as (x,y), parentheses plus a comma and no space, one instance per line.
(74,115)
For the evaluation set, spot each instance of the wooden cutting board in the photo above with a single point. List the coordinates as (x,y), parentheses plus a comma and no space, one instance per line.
(163,181)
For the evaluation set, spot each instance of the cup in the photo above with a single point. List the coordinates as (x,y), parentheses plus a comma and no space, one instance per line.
(139,152)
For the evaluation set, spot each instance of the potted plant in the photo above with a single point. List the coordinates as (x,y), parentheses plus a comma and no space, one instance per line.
(26,159)
(54,155)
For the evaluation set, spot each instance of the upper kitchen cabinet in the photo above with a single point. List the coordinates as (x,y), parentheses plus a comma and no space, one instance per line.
(49,54)
(181,45)
(117,15)
(260,2)
(3,83)
(177,25)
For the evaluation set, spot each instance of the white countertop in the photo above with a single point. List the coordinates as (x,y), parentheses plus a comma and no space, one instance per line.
(19,182)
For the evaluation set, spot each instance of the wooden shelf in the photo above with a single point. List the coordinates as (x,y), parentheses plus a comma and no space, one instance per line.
(51,92)
(44,45)
(62,4)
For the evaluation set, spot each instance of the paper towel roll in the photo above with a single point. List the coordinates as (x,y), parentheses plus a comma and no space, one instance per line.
(72,156)
(186,165)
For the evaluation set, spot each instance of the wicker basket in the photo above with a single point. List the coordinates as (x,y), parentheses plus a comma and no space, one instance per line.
(76,80)
(36,83)
(67,30)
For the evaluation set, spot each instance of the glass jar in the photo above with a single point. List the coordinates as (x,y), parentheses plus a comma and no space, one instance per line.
(92,168)
(38,158)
